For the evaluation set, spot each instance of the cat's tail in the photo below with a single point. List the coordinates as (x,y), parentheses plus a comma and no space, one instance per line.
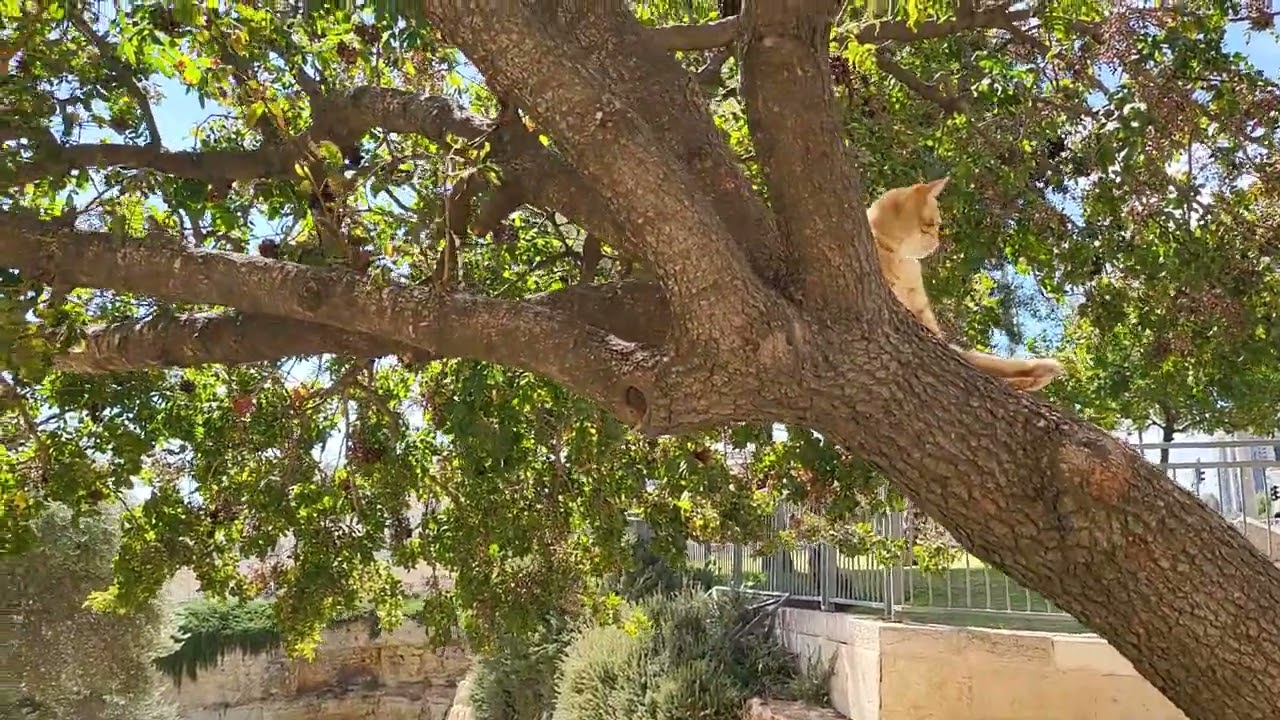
(1025,374)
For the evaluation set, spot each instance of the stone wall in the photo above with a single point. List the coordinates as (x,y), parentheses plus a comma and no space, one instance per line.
(395,676)
(891,671)
(183,586)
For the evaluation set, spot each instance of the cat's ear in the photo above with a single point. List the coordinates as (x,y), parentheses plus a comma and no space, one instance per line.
(935,186)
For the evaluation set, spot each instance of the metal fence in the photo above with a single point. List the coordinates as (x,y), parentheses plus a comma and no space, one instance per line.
(1238,478)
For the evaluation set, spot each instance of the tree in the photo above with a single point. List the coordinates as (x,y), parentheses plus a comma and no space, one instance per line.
(639,240)
(71,661)
(1169,351)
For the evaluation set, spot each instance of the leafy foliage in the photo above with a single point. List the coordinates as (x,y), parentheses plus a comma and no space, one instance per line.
(1065,139)
(69,661)
(209,630)
(654,573)
(206,630)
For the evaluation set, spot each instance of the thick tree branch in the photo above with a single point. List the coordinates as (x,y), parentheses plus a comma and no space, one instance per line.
(898,31)
(673,103)
(1065,509)
(633,311)
(700,36)
(54,160)
(791,110)
(666,211)
(533,174)
(348,114)
(549,342)
(231,338)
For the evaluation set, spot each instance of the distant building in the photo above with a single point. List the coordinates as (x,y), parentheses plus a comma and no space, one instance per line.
(1212,501)
(1243,488)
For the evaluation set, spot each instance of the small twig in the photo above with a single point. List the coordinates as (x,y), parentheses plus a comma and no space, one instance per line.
(393,417)
(312,85)
(10,394)
(118,68)
(708,76)
(592,252)
(948,103)
(457,216)
(197,232)
(341,385)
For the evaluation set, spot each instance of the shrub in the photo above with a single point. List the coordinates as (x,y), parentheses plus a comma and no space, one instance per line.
(517,681)
(697,689)
(69,661)
(209,629)
(652,573)
(601,675)
(677,656)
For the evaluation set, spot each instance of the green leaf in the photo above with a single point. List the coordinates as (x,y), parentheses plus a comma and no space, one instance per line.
(254,112)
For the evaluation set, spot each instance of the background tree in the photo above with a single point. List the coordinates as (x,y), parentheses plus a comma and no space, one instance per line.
(70,661)
(536,292)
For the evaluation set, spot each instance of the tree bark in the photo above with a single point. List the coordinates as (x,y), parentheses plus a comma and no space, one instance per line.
(1066,509)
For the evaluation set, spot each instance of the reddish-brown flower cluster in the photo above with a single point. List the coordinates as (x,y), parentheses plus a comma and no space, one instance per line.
(841,71)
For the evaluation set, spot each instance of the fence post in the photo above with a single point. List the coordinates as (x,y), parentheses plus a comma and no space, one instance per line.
(895,571)
(737,579)
(778,567)
(826,575)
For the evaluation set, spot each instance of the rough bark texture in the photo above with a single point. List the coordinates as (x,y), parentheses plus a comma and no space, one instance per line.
(761,313)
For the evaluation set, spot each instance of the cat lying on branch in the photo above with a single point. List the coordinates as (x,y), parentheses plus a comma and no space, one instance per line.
(905,223)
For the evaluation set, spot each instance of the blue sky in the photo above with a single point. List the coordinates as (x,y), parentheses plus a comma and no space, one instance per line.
(179,112)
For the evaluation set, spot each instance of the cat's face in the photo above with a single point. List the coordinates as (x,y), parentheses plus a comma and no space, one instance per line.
(907,218)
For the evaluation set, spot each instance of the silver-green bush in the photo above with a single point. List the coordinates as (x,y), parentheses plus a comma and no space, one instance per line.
(72,662)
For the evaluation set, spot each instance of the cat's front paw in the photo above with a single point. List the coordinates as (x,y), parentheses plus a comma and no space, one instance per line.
(1041,372)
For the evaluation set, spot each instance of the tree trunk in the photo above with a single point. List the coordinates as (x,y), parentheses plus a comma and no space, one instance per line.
(1067,510)
(1168,429)
(1166,437)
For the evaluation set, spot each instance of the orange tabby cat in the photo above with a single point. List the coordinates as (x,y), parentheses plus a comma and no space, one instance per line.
(905,222)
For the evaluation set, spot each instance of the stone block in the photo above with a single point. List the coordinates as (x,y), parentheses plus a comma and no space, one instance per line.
(855,684)
(922,687)
(1009,691)
(761,709)
(805,622)
(853,630)
(1005,646)
(926,641)
(1092,654)
(1122,698)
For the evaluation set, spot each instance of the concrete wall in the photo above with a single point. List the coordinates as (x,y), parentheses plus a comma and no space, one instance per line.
(891,671)
(392,677)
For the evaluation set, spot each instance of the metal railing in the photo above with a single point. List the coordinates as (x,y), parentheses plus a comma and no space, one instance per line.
(1242,483)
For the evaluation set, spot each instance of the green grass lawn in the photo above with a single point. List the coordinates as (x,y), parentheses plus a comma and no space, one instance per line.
(968,586)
